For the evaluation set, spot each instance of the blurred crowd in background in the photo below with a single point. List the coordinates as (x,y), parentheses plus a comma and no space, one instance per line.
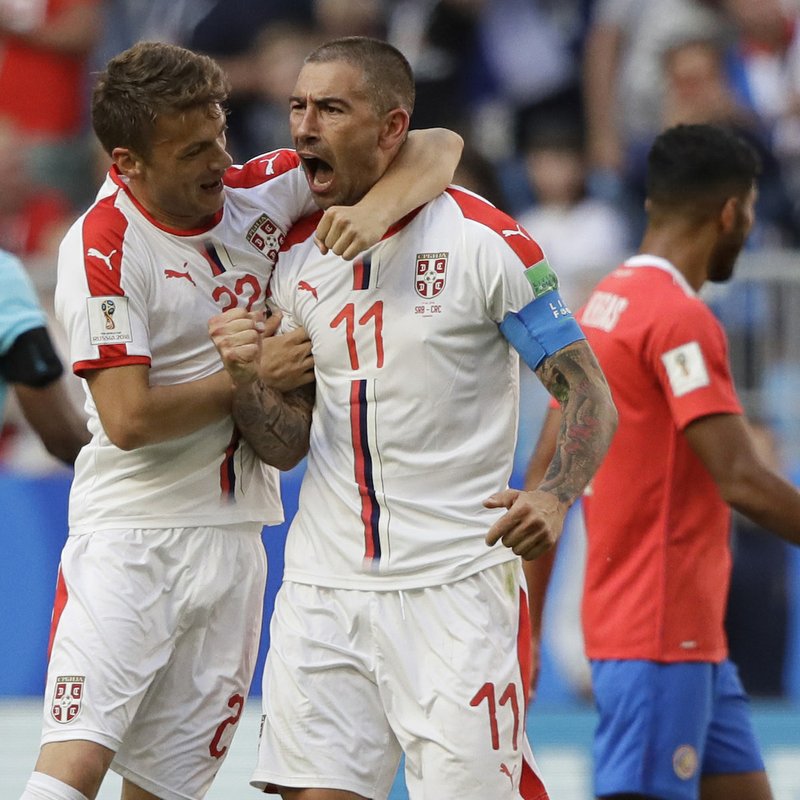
(557,100)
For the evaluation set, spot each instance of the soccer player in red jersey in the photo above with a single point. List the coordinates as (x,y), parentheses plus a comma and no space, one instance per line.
(674,720)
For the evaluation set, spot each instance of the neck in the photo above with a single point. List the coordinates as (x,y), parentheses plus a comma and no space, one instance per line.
(688,248)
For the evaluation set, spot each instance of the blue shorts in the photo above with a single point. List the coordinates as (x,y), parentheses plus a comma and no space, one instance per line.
(662,726)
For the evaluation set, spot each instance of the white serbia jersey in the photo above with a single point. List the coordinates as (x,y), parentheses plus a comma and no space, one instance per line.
(132,291)
(416,411)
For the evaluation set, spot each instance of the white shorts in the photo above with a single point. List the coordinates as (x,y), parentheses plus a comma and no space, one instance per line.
(155,640)
(355,677)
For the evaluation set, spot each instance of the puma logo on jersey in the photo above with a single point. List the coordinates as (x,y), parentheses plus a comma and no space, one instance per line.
(304,286)
(106,259)
(510,772)
(176,273)
(270,169)
(509,232)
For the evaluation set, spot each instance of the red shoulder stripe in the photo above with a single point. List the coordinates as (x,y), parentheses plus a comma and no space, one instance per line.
(261,169)
(515,236)
(104,229)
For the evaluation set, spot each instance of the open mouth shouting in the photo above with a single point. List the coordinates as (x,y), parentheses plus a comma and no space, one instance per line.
(319,173)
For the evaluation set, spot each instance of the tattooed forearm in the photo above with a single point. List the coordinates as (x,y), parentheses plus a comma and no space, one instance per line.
(276,425)
(588,420)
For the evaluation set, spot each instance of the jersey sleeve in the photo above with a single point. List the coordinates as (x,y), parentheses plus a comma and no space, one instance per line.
(277,182)
(523,298)
(20,310)
(102,294)
(521,290)
(689,356)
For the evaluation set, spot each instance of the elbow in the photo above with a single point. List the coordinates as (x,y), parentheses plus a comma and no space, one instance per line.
(287,463)
(457,142)
(65,452)
(738,486)
(609,416)
(125,434)
(65,447)
(287,458)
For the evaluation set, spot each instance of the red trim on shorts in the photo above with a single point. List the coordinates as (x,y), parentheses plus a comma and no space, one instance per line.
(524,645)
(530,784)
(62,595)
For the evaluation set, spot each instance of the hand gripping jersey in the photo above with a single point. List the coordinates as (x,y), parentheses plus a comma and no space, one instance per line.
(658,562)
(131,291)
(416,409)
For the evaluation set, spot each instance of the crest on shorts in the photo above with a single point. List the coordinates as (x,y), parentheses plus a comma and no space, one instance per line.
(67,698)
(430,274)
(685,762)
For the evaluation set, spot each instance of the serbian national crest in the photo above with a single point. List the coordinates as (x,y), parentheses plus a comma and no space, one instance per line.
(430,274)
(67,698)
(266,237)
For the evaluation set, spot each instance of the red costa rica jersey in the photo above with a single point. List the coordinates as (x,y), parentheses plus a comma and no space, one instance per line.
(658,529)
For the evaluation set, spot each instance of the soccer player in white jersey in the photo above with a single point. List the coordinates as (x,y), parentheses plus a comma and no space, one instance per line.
(401,622)
(160,591)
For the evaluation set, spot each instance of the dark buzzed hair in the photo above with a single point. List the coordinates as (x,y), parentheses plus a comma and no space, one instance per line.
(387,74)
(148,80)
(694,169)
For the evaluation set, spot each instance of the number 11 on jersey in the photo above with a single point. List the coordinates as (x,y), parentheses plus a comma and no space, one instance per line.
(348,316)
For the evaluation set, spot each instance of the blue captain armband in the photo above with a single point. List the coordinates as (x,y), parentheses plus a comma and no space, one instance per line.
(541,328)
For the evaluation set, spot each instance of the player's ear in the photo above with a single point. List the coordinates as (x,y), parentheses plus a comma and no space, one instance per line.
(127,162)
(395,128)
(729,214)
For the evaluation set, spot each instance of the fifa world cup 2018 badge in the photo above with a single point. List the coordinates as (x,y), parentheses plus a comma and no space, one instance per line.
(67,698)
(430,274)
(108,308)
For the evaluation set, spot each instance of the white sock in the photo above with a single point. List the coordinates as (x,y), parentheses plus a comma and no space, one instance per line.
(45,787)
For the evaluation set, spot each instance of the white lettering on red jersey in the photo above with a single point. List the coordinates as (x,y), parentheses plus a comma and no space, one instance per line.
(657,527)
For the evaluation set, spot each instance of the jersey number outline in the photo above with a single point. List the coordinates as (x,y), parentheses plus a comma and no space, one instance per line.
(348,316)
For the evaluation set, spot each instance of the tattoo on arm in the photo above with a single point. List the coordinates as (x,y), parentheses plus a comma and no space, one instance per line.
(276,425)
(589,419)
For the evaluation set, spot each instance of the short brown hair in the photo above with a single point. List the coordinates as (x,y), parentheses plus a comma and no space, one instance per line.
(149,79)
(387,74)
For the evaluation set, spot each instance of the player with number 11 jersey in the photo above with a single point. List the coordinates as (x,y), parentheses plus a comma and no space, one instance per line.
(411,329)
